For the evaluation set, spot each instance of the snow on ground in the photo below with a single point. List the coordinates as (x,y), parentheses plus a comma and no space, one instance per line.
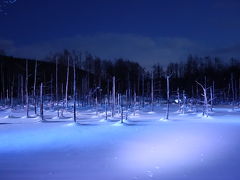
(186,147)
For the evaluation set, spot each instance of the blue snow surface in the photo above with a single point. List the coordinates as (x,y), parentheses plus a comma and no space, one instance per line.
(185,147)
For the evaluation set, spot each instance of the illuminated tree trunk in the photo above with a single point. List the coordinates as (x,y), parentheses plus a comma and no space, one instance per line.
(205,101)
(113,97)
(57,87)
(106,107)
(211,98)
(74,92)
(66,95)
(143,90)
(22,91)
(152,95)
(134,103)
(179,100)
(12,88)
(3,83)
(26,89)
(232,89)
(34,88)
(41,102)
(168,100)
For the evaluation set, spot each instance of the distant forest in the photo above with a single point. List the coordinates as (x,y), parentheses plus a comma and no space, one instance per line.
(94,73)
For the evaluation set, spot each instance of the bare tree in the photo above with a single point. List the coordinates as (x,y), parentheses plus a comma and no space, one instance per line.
(3,83)
(168,97)
(41,101)
(67,78)
(143,94)
(134,103)
(211,98)
(152,94)
(22,91)
(113,97)
(178,100)
(232,89)
(26,89)
(205,101)
(106,107)
(57,87)
(74,92)
(34,88)
(12,88)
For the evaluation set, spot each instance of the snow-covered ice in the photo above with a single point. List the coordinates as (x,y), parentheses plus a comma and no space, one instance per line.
(146,146)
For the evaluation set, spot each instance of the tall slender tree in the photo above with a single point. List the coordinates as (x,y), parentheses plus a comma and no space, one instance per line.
(74,92)
(168,95)
(67,79)
(34,87)
(26,89)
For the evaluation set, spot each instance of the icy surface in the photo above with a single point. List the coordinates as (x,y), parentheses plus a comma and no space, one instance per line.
(187,146)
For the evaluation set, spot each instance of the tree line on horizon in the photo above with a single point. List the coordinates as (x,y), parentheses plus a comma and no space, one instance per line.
(86,78)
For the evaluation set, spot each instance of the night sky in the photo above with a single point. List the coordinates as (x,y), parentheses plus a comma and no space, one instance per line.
(147,31)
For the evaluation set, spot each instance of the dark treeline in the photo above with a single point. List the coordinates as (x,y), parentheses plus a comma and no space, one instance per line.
(223,76)
(94,77)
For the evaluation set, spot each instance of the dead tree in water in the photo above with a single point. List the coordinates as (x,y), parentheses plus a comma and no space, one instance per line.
(34,88)
(152,98)
(12,88)
(41,102)
(106,108)
(67,78)
(22,91)
(134,103)
(168,97)
(74,92)
(113,97)
(178,100)
(26,89)
(57,87)
(205,101)
(143,88)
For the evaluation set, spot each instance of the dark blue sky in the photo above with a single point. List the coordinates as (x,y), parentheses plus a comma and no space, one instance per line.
(142,30)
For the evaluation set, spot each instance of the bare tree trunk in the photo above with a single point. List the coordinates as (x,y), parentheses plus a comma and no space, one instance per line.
(168,100)
(179,103)
(62,101)
(34,88)
(74,92)
(41,102)
(26,89)
(118,103)
(213,92)
(66,95)
(113,97)
(121,112)
(239,88)
(143,90)
(57,87)
(3,83)
(51,88)
(184,102)
(205,101)
(22,91)
(12,88)
(134,103)
(7,98)
(106,107)
(211,98)
(232,88)
(152,92)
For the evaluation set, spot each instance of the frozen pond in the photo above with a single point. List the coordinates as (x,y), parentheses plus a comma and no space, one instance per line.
(146,147)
